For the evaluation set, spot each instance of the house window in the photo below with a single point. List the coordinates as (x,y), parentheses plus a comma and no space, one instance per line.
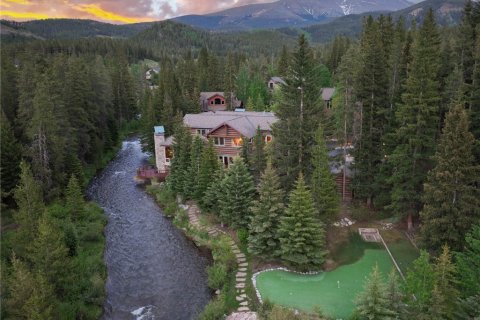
(226,160)
(329,104)
(237,142)
(268,138)
(217,101)
(271,85)
(223,102)
(168,154)
(211,102)
(202,131)
(219,141)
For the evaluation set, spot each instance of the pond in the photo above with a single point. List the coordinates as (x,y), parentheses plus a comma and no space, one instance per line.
(333,292)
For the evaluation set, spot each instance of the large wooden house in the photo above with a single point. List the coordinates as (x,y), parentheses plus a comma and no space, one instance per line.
(227,129)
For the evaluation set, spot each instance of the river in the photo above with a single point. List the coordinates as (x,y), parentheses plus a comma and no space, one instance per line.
(154,272)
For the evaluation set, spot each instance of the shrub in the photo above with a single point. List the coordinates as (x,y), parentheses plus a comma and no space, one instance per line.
(214,310)
(222,253)
(242,235)
(217,276)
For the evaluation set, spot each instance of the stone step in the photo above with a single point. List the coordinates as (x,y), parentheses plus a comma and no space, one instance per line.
(243,269)
(243,309)
(244,264)
(240,285)
(241,274)
(239,298)
(244,303)
(240,279)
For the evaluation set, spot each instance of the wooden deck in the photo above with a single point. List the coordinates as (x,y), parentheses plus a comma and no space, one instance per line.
(145,173)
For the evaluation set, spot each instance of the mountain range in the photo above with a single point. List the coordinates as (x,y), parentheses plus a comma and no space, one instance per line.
(315,20)
(287,13)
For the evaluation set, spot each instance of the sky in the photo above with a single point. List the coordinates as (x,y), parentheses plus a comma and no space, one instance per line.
(112,11)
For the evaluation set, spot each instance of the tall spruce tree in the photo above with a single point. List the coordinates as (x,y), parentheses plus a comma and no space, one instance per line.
(74,201)
(395,296)
(193,174)
(21,283)
(29,199)
(324,188)
(42,304)
(302,236)
(209,165)
(373,302)
(267,211)
(418,123)
(9,158)
(419,283)
(451,193)
(49,253)
(372,92)
(212,195)
(257,160)
(237,196)
(178,176)
(445,293)
(299,114)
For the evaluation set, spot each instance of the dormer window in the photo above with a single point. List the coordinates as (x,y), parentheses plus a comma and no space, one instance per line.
(219,141)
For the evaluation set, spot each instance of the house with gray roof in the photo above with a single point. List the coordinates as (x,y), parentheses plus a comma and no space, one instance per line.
(229,130)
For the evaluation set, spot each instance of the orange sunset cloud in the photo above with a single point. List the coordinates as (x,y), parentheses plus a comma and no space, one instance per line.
(113,11)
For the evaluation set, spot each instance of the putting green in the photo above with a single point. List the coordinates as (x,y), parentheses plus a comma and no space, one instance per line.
(333,292)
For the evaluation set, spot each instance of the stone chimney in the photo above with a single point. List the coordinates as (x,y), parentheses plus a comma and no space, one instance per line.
(159,138)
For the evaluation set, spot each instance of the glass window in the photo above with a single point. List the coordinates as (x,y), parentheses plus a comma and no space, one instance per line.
(219,141)
(237,142)
(268,138)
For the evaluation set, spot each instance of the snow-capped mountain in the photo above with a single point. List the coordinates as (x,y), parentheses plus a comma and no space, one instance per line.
(285,13)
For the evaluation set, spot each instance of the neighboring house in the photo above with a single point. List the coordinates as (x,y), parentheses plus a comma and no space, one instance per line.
(227,129)
(151,72)
(275,82)
(216,101)
(327,95)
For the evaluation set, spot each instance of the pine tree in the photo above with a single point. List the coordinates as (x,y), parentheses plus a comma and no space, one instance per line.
(419,282)
(373,302)
(29,199)
(445,291)
(372,92)
(418,119)
(49,253)
(283,62)
(211,198)
(302,237)
(209,165)
(298,116)
(451,196)
(395,297)
(263,239)
(468,264)
(324,189)
(193,173)
(257,159)
(41,305)
(21,284)
(10,157)
(238,192)
(178,176)
(74,202)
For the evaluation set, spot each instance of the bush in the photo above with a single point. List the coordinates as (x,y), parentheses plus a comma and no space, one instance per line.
(222,253)
(217,276)
(214,310)
(242,235)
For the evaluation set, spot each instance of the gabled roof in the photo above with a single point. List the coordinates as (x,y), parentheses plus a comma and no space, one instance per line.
(278,80)
(208,95)
(246,123)
(327,93)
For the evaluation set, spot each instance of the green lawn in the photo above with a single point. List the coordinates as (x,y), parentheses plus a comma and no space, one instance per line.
(333,292)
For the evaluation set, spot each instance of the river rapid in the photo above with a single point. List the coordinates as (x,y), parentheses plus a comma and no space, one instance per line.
(154,272)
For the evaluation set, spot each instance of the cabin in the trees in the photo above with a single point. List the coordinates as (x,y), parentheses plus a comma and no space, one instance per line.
(227,129)
(327,95)
(217,101)
(275,82)
(149,74)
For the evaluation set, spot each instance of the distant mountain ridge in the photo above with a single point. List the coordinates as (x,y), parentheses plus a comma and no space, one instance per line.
(287,13)
(448,12)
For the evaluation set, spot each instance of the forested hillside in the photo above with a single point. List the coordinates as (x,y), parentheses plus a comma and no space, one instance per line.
(406,101)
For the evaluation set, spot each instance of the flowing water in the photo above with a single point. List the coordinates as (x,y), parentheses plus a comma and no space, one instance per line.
(154,272)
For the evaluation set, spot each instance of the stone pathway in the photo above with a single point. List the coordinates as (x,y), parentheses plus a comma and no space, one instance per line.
(244,312)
